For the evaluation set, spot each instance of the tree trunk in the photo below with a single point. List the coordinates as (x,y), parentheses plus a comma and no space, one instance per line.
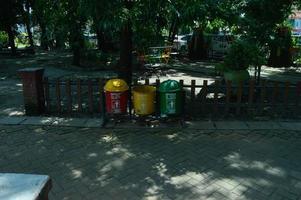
(30,38)
(28,27)
(44,38)
(100,41)
(77,44)
(11,40)
(125,64)
(59,40)
(173,30)
(196,47)
(103,41)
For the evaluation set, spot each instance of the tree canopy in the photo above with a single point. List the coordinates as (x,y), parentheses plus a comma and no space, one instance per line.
(66,22)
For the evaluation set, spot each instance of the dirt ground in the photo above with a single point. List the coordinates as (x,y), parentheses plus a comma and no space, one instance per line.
(57,65)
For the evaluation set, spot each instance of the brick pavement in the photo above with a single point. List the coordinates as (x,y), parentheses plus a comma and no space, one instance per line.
(93,163)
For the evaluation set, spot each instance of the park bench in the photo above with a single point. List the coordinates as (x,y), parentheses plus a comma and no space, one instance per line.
(24,186)
(154,58)
(155,55)
(159,54)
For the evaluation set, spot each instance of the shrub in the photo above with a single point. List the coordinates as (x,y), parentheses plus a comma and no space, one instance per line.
(3,39)
(242,54)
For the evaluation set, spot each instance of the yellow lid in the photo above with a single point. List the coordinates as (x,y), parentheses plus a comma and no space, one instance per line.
(116,85)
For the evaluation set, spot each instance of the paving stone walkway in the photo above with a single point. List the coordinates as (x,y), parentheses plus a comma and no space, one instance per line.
(200,125)
(94,163)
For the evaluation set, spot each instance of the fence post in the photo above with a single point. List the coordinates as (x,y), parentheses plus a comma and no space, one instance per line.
(239,97)
(47,95)
(251,95)
(33,90)
(183,96)
(274,98)
(228,96)
(90,96)
(79,96)
(58,95)
(192,95)
(158,112)
(298,93)
(204,94)
(262,96)
(68,95)
(286,94)
(215,105)
(101,96)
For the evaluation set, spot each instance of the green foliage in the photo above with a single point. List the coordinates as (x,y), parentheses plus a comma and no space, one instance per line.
(259,18)
(96,56)
(9,12)
(65,21)
(242,54)
(21,40)
(3,39)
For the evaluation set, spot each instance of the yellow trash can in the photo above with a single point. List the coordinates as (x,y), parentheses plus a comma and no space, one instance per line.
(144,99)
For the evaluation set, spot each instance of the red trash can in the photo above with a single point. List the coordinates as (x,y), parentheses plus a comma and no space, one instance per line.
(116,93)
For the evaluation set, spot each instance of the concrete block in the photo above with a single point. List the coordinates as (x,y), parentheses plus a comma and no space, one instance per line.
(12,120)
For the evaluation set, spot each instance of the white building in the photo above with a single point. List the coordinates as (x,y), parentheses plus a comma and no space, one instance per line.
(295,19)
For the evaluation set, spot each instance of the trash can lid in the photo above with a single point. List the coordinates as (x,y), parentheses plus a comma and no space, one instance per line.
(116,85)
(170,86)
(144,89)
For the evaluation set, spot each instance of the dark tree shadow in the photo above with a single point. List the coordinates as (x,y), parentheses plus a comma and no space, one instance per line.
(152,163)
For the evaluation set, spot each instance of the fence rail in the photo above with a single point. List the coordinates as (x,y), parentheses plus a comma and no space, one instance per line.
(210,98)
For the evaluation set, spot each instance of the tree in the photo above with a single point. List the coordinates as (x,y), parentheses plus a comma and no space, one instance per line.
(26,16)
(9,13)
(76,19)
(42,10)
(105,16)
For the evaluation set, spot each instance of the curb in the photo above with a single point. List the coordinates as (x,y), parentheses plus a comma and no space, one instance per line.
(193,125)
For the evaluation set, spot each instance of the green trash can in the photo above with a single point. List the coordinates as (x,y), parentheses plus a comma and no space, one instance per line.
(171,98)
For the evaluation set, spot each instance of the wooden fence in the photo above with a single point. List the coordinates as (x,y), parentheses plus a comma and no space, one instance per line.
(210,98)
(74,97)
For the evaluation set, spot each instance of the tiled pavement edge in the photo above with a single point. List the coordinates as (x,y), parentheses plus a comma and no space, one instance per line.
(150,164)
(201,125)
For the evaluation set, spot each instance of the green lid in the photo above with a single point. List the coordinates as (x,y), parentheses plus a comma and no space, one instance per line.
(170,86)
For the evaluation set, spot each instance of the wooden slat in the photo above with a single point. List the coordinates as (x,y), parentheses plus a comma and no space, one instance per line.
(298,94)
(135,81)
(147,81)
(90,96)
(183,96)
(251,95)
(157,83)
(228,96)
(192,92)
(275,97)
(216,88)
(275,93)
(262,96)
(239,98)
(58,96)
(286,94)
(101,99)
(204,94)
(79,96)
(181,82)
(69,96)
(47,95)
